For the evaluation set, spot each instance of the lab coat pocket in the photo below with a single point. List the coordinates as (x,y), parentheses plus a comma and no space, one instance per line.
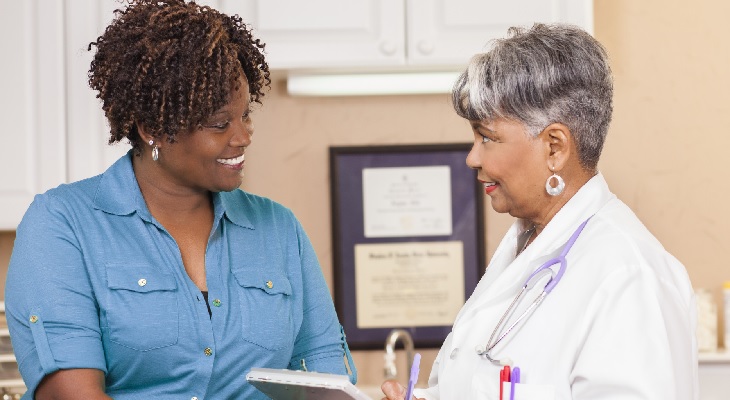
(525,391)
(487,389)
(265,298)
(141,307)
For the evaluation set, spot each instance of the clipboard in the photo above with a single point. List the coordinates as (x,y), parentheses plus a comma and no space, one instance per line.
(284,384)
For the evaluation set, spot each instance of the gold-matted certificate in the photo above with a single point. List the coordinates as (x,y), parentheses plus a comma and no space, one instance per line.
(418,282)
(407,201)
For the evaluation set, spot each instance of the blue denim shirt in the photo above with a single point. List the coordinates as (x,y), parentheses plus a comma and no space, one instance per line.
(96,282)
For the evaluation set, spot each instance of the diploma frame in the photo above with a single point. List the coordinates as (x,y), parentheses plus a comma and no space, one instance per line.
(467,217)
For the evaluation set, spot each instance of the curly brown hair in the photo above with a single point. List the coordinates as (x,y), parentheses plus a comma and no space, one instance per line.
(168,65)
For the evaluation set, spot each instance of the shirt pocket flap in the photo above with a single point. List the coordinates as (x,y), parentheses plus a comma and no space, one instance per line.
(138,278)
(272,282)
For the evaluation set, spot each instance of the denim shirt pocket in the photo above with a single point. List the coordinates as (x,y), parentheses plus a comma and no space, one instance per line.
(142,309)
(266,307)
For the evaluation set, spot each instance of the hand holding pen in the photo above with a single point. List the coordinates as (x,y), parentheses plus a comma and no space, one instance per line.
(395,391)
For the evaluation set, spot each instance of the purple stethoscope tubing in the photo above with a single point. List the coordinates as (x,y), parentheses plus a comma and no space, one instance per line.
(554,279)
(559,259)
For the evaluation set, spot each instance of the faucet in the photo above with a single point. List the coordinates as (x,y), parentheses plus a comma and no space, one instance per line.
(393,337)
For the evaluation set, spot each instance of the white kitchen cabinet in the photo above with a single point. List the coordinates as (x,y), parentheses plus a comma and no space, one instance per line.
(55,128)
(33,151)
(88,151)
(392,34)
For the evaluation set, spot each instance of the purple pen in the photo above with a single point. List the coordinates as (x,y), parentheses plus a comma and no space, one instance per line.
(414,376)
(515,378)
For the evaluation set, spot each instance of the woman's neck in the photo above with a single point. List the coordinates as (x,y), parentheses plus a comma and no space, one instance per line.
(165,200)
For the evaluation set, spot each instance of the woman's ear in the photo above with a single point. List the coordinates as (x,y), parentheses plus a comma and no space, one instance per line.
(559,142)
(143,134)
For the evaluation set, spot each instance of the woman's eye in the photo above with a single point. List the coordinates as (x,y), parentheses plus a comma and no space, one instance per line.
(485,139)
(220,125)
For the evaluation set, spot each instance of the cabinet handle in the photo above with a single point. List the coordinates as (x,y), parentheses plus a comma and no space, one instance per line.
(387,48)
(425,47)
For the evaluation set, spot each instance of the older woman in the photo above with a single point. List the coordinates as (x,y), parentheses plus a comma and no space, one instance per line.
(160,279)
(614,318)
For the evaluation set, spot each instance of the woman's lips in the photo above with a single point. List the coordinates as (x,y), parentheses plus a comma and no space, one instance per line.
(234,163)
(489,187)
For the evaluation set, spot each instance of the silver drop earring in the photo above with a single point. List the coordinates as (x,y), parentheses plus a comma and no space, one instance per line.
(554,191)
(155,151)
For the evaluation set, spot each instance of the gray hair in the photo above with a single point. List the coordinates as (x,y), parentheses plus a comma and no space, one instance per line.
(539,76)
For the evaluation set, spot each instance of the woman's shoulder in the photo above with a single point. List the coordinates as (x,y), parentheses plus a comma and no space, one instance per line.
(620,238)
(618,222)
(68,195)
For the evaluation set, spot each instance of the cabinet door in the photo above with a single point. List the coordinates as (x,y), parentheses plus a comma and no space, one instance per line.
(88,132)
(449,32)
(326,33)
(32,154)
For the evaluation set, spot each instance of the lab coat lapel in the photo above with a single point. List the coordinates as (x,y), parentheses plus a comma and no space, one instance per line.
(506,274)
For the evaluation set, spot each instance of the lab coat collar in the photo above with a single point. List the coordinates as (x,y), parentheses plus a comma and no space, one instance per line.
(506,273)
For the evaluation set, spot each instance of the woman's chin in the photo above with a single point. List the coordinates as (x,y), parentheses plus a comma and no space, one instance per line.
(498,207)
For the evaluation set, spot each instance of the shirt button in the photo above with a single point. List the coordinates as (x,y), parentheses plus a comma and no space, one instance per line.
(217,303)
(34,318)
(194,398)
(142,282)
(269,284)
(208,351)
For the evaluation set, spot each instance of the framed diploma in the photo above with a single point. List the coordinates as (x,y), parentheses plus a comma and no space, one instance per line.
(408,240)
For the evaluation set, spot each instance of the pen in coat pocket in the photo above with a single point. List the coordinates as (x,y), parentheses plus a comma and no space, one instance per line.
(515,378)
(504,376)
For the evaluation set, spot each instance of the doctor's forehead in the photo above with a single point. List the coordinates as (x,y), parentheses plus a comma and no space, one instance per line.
(484,124)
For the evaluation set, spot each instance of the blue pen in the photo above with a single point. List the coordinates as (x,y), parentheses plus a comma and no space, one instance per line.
(515,378)
(414,376)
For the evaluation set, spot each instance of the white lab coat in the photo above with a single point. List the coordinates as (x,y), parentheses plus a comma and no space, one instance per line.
(619,325)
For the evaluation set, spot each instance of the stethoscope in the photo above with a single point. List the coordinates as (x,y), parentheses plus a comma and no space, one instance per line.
(529,284)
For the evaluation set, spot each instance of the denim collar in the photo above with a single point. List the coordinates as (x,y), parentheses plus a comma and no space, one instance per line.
(118,193)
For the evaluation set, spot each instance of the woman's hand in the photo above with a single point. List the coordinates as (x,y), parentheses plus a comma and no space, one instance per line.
(394,390)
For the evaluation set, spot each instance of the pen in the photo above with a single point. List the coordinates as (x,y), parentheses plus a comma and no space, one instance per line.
(515,378)
(503,377)
(414,376)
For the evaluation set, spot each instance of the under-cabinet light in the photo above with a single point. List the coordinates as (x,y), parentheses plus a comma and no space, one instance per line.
(371,84)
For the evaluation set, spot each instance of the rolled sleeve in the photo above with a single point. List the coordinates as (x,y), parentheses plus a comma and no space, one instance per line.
(52,315)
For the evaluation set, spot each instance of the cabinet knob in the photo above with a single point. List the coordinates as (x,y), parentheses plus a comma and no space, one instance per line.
(388,48)
(425,47)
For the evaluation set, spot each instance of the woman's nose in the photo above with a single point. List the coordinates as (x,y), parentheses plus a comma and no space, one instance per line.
(243,134)
(472,159)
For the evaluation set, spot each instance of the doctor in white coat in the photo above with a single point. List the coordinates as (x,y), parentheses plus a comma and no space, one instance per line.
(618,317)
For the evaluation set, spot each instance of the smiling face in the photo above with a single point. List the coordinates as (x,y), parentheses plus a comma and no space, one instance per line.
(512,165)
(211,157)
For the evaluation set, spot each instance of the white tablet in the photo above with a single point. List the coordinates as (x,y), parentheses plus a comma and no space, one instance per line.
(284,384)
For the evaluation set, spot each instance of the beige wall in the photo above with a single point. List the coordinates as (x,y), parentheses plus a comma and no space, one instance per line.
(665,155)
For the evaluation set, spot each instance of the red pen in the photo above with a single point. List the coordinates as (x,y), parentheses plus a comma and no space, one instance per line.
(504,376)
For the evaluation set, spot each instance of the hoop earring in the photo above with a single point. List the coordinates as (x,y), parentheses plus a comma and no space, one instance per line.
(155,151)
(554,191)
